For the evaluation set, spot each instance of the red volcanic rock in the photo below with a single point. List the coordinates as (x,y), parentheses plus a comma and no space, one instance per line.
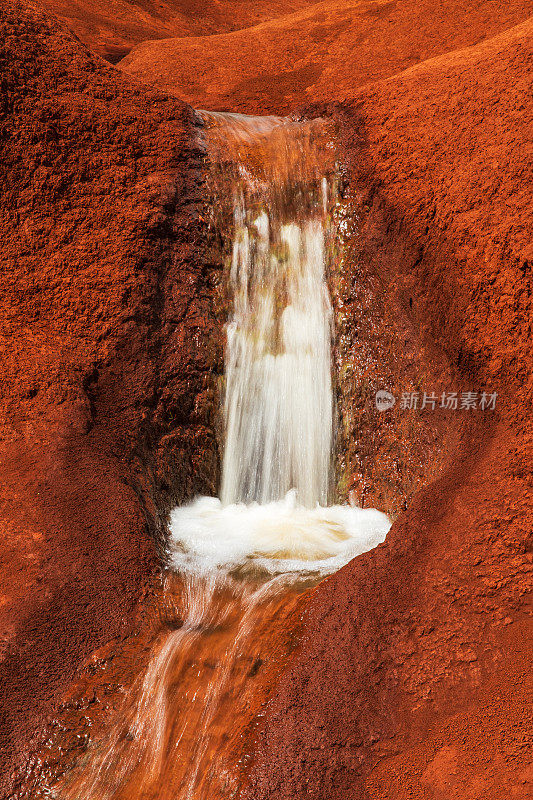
(324,51)
(413,679)
(112,28)
(106,353)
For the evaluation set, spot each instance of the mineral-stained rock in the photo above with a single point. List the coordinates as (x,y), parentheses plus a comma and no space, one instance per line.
(105,381)
(413,680)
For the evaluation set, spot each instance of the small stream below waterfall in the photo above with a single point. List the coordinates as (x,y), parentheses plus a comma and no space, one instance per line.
(241,564)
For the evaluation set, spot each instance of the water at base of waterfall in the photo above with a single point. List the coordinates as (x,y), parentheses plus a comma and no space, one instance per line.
(280,537)
(238,590)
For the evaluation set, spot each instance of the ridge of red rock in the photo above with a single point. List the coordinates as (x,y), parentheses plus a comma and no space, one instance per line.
(106,349)
(413,679)
(323,52)
(112,27)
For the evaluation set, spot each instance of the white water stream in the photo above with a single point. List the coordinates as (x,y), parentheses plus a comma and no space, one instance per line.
(279,405)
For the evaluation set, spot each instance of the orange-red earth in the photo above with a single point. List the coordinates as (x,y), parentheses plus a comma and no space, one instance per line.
(413,677)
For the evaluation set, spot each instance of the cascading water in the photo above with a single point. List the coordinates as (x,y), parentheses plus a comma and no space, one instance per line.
(278,407)
(241,561)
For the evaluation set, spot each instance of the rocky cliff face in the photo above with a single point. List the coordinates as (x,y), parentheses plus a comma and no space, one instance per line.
(412,680)
(107,356)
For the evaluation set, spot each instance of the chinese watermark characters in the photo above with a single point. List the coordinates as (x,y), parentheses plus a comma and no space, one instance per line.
(449,401)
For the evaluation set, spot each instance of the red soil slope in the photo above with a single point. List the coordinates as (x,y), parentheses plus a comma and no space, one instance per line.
(106,317)
(321,52)
(414,678)
(112,27)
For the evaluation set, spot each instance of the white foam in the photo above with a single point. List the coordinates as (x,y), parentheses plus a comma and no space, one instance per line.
(278,537)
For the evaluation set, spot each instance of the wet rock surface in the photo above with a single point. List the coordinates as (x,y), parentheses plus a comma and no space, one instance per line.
(93,744)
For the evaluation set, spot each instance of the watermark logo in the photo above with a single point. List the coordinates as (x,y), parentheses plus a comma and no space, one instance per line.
(384,400)
(450,401)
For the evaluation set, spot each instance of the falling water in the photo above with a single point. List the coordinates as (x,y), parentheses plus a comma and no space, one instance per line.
(278,401)
(278,408)
(241,562)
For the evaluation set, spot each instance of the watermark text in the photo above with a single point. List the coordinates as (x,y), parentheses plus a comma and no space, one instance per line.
(449,401)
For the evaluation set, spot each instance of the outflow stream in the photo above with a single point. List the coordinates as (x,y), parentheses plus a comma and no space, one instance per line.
(241,562)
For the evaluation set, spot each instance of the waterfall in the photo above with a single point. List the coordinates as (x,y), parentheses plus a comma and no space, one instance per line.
(241,561)
(278,404)
(278,408)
